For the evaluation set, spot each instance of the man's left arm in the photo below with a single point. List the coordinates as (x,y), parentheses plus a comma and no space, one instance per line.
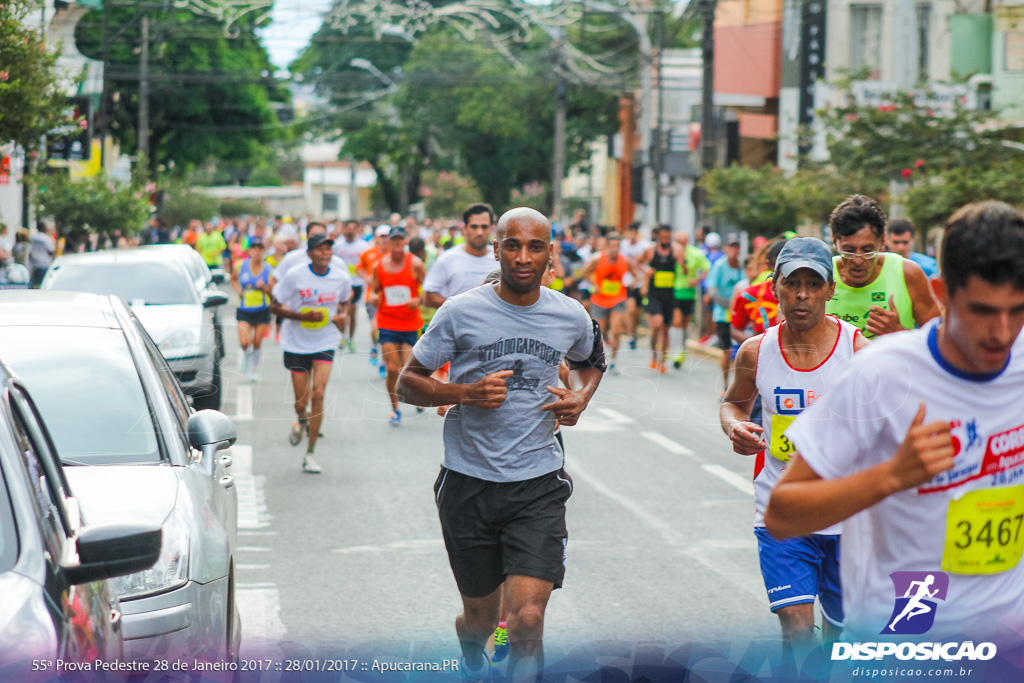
(925,305)
(584,378)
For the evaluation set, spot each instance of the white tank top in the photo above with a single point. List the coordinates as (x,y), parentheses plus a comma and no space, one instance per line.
(785,392)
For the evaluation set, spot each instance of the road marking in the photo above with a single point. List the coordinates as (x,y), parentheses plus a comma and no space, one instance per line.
(243,403)
(416,545)
(611,421)
(259,607)
(258,584)
(666,443)
(614,415)
(252,500)
(253,549)
(731,478)
(252,566)
(257,533)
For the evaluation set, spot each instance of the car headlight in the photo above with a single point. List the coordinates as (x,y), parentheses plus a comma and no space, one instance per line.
(182,344)
(170,571)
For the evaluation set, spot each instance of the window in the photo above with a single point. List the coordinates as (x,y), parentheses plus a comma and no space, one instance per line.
(169,383)
(866,39)
(330,203)
(924,26)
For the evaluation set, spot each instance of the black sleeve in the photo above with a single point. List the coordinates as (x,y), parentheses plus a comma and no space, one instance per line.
(596,357)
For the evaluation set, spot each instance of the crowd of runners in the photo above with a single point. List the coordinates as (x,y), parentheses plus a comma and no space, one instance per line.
(875,391)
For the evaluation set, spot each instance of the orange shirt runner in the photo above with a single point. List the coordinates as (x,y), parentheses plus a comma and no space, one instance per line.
(608,277)
(399,289)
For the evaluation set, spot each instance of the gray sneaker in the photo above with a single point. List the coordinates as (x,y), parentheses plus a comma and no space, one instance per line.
(310,466)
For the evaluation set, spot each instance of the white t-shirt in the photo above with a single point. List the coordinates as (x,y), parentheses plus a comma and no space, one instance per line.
(349,252)
(300,257)
(455,271)
(301,289)
(634,251)
(862,422)
(785,393)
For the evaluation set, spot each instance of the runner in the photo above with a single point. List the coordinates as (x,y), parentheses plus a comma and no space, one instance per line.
(876,291)
(690,270)
(634,247)
(722,277)
(462,267)
(211,245)
(251,280)
(792,365)
(397,282)
(607,271)
(899,238)
(312,302)
(367,266)
(660,261)
(350,249)
(926,472)
(505,344)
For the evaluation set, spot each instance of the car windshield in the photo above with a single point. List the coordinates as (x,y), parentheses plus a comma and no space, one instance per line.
(152,283)
(86,386)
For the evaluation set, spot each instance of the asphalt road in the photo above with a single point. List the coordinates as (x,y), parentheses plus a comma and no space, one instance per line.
(661,550)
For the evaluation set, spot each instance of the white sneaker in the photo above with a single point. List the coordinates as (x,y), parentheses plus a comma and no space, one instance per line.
(310,466)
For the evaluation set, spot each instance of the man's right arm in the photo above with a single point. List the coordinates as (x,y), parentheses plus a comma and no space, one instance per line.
(417,387)
(433,299)
(734,414)
(434,284)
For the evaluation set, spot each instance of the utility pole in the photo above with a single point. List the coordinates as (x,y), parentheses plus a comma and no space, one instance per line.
(560,108)
(143,154)
(708,135)
(660,144)
(104,107)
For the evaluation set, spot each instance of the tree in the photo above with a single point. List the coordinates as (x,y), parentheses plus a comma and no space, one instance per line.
(756,200)
(211,96)
(96,204)
(32,99)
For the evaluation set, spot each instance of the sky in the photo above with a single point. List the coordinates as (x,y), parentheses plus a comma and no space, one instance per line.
(293,23)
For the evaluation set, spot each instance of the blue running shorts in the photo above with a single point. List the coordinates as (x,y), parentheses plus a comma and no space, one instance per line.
(797,570)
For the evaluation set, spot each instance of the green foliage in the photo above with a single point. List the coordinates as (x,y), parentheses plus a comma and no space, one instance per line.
(32,101)
(932,201)
(96,204)
(182,203)
(533,195)
(446,194)
(757,200)
(232,208)
(211,97)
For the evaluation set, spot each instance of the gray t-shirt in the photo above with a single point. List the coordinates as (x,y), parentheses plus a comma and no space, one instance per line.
(479,333)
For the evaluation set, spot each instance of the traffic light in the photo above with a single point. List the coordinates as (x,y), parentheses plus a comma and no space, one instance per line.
(72,141)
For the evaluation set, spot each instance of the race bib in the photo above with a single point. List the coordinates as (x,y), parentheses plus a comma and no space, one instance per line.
(253,298)
(316,324)
(664,279)
(611,287)
(983,531)
(352,270)
(397,295)
(781,447)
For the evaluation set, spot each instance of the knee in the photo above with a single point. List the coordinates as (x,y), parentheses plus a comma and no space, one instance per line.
(318,396)
(527,621)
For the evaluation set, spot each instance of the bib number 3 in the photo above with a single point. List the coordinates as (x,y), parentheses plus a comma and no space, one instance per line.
(781,447)
(983,531)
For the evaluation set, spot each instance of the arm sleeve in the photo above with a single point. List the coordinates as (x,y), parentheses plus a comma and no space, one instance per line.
(437,345)
(588,350)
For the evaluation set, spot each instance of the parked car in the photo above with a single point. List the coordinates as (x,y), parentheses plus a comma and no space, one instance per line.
(205,278)
(57,601)
(163,295)
(132,448)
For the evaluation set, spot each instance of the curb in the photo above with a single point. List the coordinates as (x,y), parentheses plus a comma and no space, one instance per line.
(702,350)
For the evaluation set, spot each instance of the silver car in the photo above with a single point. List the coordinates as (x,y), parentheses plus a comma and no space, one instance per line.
(57,603)
(162,294)
(132,448)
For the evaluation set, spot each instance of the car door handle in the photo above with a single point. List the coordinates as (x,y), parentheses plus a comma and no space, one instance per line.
(227,482)
(225,461)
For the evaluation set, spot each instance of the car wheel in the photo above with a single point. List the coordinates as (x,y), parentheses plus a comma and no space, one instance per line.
(210,401)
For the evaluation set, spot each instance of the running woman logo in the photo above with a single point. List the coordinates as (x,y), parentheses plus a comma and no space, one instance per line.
(916,595)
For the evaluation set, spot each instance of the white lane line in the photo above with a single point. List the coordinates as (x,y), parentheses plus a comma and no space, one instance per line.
(252,566)
(614,415)
(253,549)
(668,444)
(252,500)
(243,403)
(415,545)
(731,478)
(259,607)
(257,584)
(257,533)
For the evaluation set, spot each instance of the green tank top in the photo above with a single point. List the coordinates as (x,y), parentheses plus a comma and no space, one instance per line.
(852,303)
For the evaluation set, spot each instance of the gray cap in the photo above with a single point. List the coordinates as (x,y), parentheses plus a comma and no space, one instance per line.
(805,252)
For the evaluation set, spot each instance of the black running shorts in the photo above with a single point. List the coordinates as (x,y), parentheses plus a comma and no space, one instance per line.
(661,302)
(494,529)
(303,362)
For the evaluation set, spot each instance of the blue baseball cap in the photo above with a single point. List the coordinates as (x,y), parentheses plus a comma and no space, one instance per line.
(805,252)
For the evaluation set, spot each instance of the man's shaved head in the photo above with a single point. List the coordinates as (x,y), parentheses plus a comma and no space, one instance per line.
(525,215)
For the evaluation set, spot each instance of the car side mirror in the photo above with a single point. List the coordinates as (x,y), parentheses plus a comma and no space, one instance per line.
(109,550)
(214,299)
(218,276)
(210,431)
